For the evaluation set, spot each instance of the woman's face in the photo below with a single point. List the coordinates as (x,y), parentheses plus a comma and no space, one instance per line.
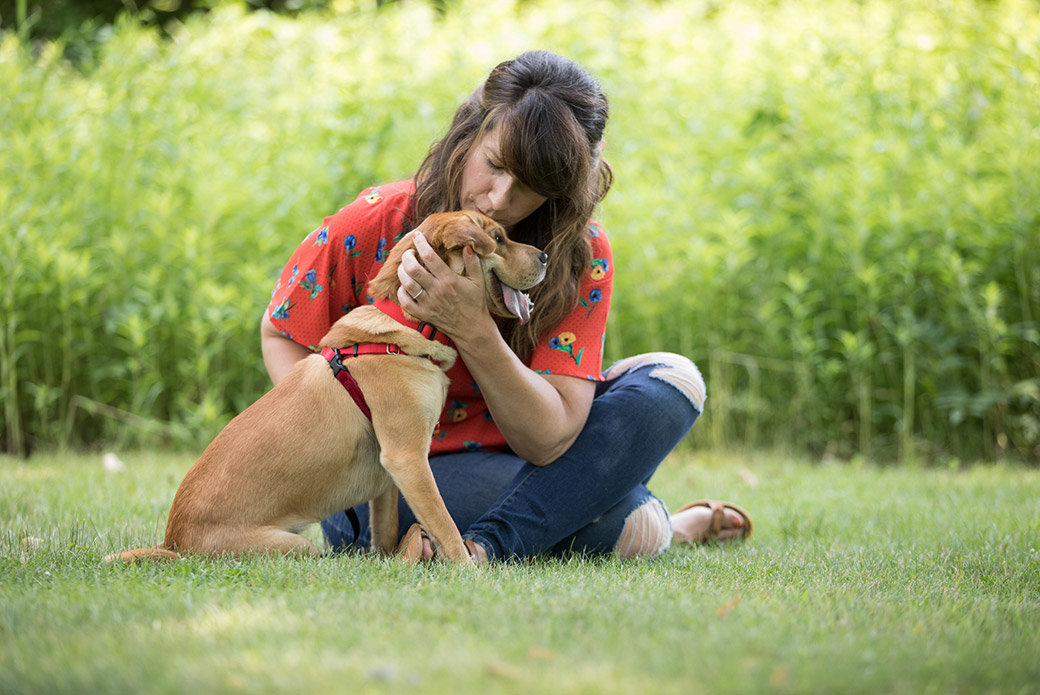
(492,190)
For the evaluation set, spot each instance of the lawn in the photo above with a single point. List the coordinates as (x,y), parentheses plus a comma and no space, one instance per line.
(859,578)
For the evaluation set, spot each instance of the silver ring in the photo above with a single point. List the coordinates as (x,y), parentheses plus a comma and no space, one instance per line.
(418,294)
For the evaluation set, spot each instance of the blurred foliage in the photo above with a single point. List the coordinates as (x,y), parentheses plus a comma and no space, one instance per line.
(831,206)
(51,19)
(83,25)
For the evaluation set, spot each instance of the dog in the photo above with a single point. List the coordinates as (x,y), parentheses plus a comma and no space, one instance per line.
(306,449)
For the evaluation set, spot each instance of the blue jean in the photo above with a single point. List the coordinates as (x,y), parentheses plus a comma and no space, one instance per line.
(580,501)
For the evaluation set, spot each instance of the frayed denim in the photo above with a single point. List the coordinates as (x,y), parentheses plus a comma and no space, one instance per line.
(578,503)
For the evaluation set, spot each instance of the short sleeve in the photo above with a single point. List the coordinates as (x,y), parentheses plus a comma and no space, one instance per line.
(328,274)
(575,347)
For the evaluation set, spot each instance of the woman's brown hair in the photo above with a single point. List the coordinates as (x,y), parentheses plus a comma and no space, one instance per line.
(550,115)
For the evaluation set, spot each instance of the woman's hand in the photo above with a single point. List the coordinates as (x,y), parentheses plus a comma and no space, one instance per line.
(432,292)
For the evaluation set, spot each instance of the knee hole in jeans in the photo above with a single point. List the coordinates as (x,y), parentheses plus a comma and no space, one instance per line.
(647,532)
(675,370)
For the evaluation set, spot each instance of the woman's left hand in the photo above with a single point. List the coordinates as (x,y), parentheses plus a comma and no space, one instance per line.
(432,292)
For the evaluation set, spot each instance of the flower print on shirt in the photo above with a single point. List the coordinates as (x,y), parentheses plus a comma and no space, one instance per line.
(564,342)
(594,298)
(323,237)
(310,282)
(457,412)
(349,243)
(282,312)
(331,280)
(381,251)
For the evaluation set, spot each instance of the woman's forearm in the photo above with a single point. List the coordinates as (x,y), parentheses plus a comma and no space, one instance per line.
(540,416)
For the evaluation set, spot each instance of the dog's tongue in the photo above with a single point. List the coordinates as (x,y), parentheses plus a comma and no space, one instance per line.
(517,302)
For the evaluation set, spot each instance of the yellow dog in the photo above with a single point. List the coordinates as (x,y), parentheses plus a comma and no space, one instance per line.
(306,449)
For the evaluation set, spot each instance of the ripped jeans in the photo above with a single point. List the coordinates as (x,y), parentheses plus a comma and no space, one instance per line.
(579,502)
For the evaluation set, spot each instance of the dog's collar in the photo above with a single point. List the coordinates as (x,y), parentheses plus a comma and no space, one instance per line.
(394,311)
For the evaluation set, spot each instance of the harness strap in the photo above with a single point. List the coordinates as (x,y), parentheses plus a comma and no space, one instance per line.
(343,376)
(335,359)
(428,330)
(355,523)
(371,349)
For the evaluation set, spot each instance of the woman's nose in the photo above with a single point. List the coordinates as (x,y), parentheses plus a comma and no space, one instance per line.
(501,192)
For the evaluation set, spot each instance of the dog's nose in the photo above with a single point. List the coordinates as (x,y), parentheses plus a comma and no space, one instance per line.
(543,258)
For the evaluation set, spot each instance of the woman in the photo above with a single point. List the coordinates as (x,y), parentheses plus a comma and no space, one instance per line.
(537,451)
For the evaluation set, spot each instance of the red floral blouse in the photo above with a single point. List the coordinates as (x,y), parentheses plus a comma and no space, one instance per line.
(328,275)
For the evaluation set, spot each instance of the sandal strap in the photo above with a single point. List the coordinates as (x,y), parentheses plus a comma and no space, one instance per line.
(410,549)
(718,516)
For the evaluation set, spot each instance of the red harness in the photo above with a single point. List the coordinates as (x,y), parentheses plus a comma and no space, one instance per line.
(335,356)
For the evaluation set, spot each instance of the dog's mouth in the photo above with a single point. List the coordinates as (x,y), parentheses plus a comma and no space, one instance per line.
(516,302)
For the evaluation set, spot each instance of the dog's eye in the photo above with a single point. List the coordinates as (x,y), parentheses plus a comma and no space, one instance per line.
(499,239)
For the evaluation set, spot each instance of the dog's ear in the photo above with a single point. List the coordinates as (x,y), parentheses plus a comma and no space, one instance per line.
(466,229)
(386,282)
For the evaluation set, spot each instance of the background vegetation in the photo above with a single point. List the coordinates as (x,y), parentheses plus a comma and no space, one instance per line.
(831,206)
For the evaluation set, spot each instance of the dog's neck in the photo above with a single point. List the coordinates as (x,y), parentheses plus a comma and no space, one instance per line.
(394,311)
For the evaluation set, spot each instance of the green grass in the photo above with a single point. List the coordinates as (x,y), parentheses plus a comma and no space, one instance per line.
(859,578)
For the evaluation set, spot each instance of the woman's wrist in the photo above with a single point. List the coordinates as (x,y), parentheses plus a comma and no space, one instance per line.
(474,331)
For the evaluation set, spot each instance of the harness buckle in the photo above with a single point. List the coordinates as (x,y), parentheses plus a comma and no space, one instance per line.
(336,362)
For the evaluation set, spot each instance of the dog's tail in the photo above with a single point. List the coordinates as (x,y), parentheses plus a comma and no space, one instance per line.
(158,553)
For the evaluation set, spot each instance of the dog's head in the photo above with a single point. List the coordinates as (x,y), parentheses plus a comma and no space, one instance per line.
(509,267)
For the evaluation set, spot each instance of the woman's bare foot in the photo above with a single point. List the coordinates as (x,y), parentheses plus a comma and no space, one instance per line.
(417,546)
(694,524)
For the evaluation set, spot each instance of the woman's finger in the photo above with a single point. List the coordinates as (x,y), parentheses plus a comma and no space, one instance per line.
(411,272)
(433,263)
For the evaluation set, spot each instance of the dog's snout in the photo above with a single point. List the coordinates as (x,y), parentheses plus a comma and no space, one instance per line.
(543,258)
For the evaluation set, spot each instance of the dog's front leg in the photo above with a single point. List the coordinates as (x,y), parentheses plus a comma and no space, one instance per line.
(404,444)
(383,521)
(412,473)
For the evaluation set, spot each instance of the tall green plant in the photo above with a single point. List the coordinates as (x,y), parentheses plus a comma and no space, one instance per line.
(831,206)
